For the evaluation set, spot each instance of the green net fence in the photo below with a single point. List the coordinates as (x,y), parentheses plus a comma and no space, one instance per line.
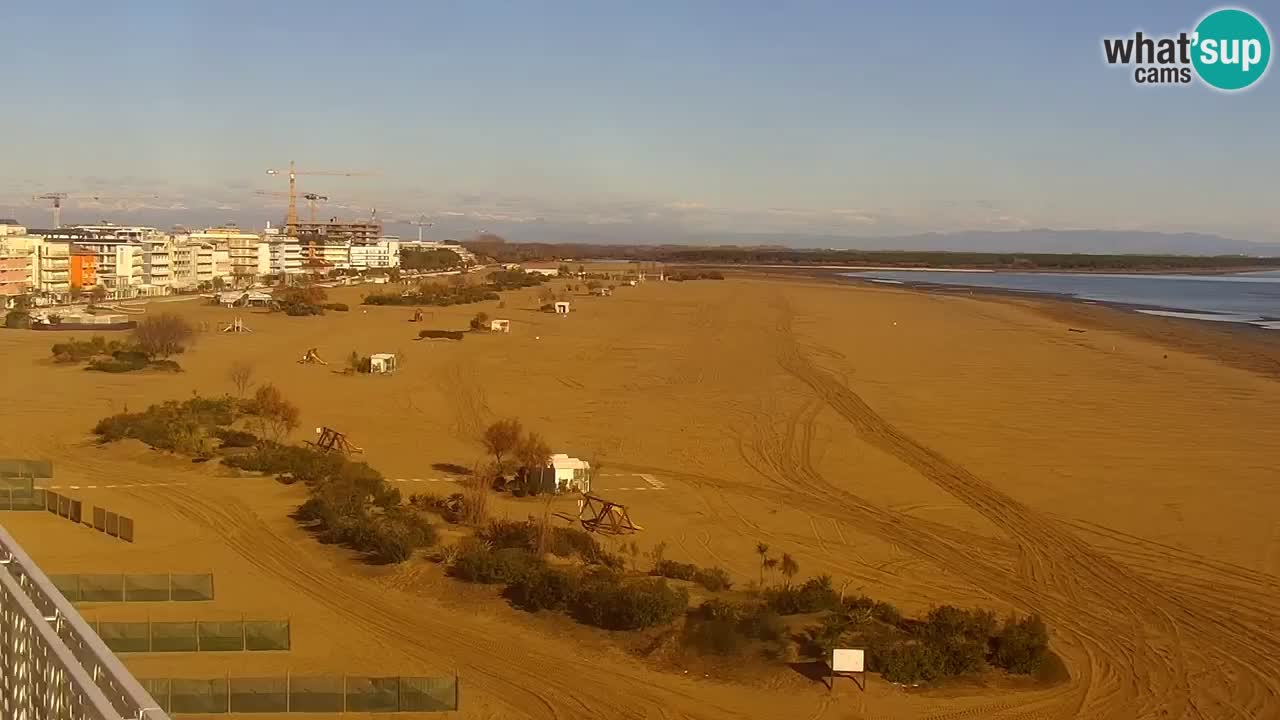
(305,694)
(195,635)
(155,587)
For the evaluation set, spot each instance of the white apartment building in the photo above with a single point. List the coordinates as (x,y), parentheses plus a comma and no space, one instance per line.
(283,253)
(385,253)
(333,253)
(157,262)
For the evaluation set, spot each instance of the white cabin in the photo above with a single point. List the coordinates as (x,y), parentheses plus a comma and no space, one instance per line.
(571,473)
(503,326)
(382,363)
(562,308)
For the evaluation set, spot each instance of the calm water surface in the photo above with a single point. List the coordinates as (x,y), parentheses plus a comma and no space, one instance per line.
(1252,298)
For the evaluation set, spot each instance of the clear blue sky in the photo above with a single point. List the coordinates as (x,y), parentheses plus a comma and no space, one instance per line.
(810,117)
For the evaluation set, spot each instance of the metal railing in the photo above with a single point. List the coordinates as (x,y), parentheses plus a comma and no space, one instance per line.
(52,665)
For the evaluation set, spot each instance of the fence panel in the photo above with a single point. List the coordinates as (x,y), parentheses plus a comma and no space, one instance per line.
(266,635)
(51,501)
(221,636)
(373,694)
(99,519)
(158,689)
(6,499)
(259,695)
(174,637)
(428,694)
(146,588)
(74,512)
(68,585)
(198,696)
(125,637)
(64,506)
(113,524)
(126,528)
(320,694)
(189,588)
(102,588)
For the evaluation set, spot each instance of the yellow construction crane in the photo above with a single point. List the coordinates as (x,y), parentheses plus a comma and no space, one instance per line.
(311,198)
(291,219)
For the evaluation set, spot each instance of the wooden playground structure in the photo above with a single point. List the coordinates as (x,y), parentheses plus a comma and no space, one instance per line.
(331,440)
(236,326)
(604,516)
(312,356)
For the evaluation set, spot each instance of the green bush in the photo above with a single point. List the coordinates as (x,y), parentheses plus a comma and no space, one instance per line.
(814,595)
(292,462)
(674,570)
(397,533)
(116,366)
(571,541)
(713,579)
(339,307)
(543,588)
(301,310)
(161,425)
(1022,644)
(477,563)
(721,627)
(510,534)
(959,637)
(907,662)
(235,438)
(606,600)
(17,320)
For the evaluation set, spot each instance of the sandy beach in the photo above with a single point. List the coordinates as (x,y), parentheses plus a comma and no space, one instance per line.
(926,447)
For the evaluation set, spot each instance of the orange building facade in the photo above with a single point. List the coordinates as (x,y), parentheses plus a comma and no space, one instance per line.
(84,271)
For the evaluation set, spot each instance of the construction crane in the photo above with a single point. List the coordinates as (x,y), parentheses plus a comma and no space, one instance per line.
(291,218)
(421,222)
(57,198)
(311,199)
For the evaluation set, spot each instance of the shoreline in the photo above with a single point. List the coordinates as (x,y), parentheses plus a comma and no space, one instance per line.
(1204,271)
(1240,345)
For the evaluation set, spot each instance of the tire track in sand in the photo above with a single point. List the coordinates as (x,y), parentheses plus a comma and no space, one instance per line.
(531,682)
(1133,645)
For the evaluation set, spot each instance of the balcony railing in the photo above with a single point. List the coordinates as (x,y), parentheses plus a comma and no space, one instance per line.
(54,664)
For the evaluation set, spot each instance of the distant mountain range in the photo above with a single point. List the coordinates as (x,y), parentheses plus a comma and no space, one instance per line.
(1100,242)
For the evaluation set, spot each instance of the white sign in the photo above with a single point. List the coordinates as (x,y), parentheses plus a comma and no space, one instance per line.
(843,660)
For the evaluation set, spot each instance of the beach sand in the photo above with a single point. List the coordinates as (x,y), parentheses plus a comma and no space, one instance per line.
(927,448)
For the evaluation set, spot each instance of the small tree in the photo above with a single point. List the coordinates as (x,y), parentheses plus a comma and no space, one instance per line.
(75,292)
(763,551)
(501,438)
(163,335)
(480,321)
(275,415)
(98,293)
(241,375)
(546,295)
(789,567)
(533,453)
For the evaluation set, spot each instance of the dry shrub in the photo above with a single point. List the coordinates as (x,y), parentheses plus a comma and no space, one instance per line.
(475,495)
(163,335)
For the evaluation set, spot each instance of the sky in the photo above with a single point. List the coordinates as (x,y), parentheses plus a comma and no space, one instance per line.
(645,120)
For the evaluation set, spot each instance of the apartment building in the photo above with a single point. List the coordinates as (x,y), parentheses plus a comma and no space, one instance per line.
(383,253)
(15,262)
(284,253)
(84,270)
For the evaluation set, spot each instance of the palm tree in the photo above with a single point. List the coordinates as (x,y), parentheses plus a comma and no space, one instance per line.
(770,564)
(763,551)
(789,567)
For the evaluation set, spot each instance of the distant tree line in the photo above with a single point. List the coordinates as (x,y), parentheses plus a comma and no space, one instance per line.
(429,259)
(904,259)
